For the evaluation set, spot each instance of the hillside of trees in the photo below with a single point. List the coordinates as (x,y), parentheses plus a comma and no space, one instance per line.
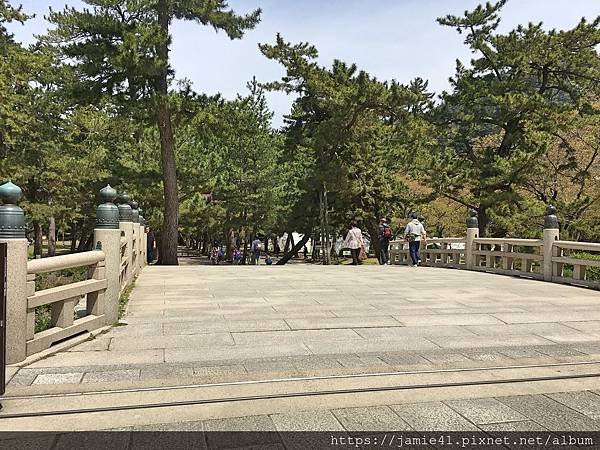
(96,101)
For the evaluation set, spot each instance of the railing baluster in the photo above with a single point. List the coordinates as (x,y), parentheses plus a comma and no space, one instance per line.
(30,311)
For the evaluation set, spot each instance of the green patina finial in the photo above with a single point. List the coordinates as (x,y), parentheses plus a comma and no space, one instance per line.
(10,193)
(107,214)
(12,217)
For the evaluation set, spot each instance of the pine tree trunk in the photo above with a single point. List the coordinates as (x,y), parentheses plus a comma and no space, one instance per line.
(294,251)
(52,237)
(82,239)
(287,242)
(73,237)
(245,253)
(89,242)
(169,235)
(374,234)
(230,235)
(484,221)
(205,244)
(37,239)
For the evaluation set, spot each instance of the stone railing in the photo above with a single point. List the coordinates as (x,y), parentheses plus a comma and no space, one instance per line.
(439,252)
(124,259)
(546,259)
(64,299)
(518,257)
(77,307)
(564,254)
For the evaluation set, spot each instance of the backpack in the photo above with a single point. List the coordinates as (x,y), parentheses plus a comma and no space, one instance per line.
(387,232)
(256,246)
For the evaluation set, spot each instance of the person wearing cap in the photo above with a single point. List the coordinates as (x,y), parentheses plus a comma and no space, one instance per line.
(385,234)
(414,232)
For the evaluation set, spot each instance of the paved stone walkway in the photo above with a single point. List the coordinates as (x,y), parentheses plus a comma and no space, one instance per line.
(205,324)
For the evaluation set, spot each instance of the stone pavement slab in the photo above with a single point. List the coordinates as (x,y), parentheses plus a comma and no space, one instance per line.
(96,441)
(307,421)
(529,328)
(374,418)
(433,417)
(267,337)
(112,375)
(590,325)
(485,411)
(550,413)
(525,425)
(60,378)
(370,346)
(186,341)
(447,319)
(102,358)
(154,440)
(419,331)
(257,325)
(199,327)
(488,341)
(586,402)
(233,352)
(342,322)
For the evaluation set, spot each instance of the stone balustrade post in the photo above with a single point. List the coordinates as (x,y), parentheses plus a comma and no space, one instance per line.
(107,234)
(126,225)
(141,248)
(472,233)
(12,233)
(144,243)
(551,234)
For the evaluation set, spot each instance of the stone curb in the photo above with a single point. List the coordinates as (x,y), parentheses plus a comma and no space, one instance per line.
(55,349)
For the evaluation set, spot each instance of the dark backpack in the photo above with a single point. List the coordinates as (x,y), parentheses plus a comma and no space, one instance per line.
(387,232)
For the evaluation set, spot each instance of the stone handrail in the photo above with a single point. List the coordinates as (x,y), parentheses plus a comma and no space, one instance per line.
(502,256)
(64,299)
(449,254)
(511,241)
(64,261)
(120,237)
(548,259)
(563,258)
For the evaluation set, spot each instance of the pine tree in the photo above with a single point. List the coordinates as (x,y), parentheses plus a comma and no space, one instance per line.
(348,134)
(505,107)
(121,48)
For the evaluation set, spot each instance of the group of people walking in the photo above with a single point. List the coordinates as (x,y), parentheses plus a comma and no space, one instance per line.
(217,254)
(414,233)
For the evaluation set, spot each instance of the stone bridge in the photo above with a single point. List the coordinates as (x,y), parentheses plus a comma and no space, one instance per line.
(307,347)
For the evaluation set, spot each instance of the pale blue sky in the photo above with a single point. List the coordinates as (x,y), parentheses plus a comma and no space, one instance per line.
(388,38)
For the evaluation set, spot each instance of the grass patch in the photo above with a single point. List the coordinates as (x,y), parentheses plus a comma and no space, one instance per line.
(43,318)
(124,299)
(43,314)
(60,277)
